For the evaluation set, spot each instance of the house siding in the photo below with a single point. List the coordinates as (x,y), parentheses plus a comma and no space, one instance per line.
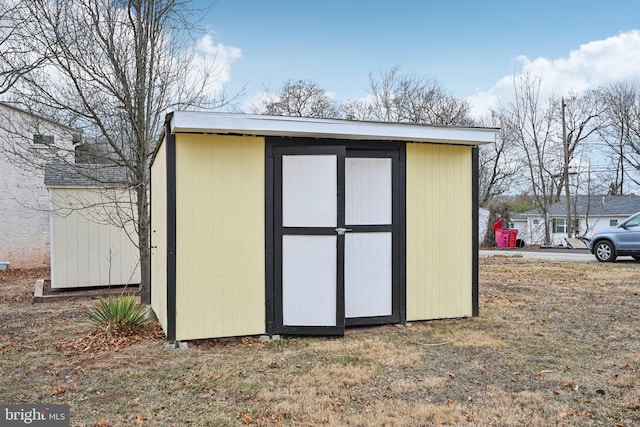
(220,236)
(24,218)
(159,235)
(533,234)
(439,234)
(24,201)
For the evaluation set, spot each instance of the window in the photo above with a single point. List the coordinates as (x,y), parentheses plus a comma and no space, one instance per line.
(536,221)
(634,221)
(40,140)
(559,225)
(613,222)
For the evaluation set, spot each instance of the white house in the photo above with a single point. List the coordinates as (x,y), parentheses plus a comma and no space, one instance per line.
(27,143)
(592,213)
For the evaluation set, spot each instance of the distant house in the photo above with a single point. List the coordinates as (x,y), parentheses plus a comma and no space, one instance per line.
(591,213)
(27,143)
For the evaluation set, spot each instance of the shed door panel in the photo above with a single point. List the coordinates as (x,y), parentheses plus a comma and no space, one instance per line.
(368,275)
(309,184)
(369,269)
(368,195)
(309,272)
(309,277)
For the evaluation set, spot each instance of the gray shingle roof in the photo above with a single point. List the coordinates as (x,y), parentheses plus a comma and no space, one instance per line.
(85,175)
(516,216)
(595,205)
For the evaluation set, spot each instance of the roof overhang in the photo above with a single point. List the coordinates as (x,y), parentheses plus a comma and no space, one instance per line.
(262,125)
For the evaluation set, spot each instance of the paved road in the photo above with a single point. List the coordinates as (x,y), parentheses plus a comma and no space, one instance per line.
(578,255)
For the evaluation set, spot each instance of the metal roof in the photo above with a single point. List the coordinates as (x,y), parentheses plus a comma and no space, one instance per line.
(263,125)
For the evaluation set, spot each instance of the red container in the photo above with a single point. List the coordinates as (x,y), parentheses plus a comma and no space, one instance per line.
(505,237)
(502,238)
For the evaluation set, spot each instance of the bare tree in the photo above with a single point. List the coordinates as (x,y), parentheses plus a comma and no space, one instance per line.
(579,118)
(529,125)
(621,131)
(407,98)
(619,99)
(537,128)
(300,98)
(17,59)
(392,98)
(497,166)
(582,122)
(634,142)
(112,69)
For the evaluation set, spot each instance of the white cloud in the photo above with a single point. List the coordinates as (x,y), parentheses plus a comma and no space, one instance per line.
(255,104)
(216,59)
(592,65)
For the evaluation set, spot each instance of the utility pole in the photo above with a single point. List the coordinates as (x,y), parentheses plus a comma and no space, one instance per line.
(565,144)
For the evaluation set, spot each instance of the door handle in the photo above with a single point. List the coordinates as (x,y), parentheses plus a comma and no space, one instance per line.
(341,231)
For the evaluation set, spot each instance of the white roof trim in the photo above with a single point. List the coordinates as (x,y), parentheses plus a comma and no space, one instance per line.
(247,124)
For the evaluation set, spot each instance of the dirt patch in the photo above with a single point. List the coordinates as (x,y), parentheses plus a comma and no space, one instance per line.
(10,276)
(557,343)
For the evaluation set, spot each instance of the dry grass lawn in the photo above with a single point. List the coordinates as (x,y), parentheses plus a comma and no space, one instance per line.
(557,343)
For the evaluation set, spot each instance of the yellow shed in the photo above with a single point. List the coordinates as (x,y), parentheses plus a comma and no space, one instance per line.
(267,225)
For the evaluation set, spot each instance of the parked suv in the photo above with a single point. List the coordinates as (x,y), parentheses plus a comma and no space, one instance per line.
(623,239)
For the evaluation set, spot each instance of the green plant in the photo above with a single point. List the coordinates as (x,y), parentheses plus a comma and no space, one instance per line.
(119,313)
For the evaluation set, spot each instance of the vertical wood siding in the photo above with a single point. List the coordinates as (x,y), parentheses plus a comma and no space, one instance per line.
(88,250)
(220,285)
(439,231)
(159,236)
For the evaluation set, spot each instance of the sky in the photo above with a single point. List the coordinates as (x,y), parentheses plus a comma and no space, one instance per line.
(472,48)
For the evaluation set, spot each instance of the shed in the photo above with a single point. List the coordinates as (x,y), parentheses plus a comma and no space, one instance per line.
(282,225)
(93,238)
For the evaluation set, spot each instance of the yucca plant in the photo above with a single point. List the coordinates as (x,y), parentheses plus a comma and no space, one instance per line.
(119,313)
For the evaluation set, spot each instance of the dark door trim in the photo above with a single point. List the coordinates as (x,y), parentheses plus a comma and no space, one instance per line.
(475,195)
(274,148)
(170,141)
(280,230)
(396,232)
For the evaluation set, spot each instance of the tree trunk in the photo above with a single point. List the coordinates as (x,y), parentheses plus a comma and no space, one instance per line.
(144,228)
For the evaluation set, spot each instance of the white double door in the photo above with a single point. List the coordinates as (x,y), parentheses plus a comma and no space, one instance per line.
(335,237)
